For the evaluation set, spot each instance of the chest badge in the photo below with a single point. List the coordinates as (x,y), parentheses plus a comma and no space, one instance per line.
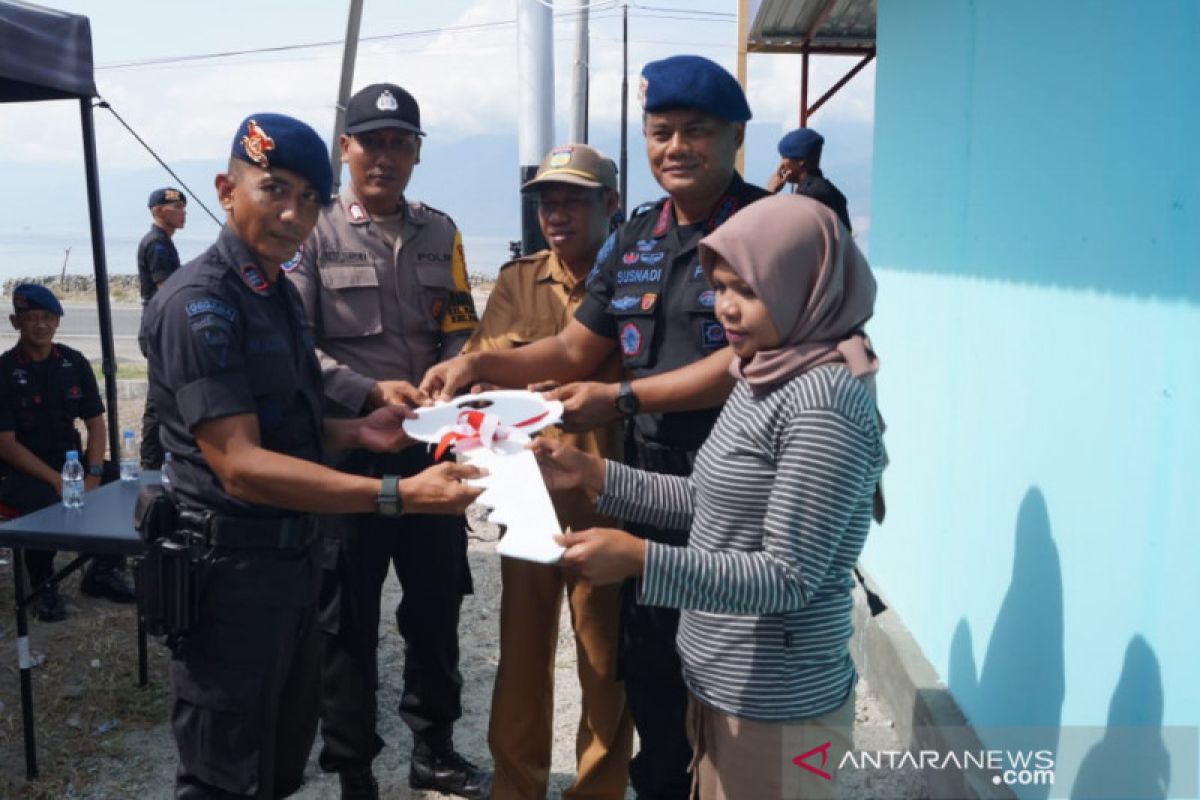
(629,258)
(648,301)
(631,340)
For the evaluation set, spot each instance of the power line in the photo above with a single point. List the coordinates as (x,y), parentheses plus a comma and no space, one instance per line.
(150,150)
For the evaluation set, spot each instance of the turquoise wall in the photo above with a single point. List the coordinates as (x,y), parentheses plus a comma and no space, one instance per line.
(1036,233)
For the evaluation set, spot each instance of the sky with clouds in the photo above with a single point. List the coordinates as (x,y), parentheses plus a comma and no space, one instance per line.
(458,57)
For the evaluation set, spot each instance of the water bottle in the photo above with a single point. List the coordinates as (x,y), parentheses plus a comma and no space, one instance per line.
(129,457)
(164,476)
(72,480)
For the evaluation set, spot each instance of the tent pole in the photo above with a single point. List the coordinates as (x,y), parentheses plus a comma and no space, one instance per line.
(109,363)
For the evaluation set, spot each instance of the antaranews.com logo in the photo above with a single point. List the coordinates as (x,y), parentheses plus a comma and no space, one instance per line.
(1008,767)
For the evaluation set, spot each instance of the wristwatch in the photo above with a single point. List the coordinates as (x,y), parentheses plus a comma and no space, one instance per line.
(388,502)
(627,402)
(95,470)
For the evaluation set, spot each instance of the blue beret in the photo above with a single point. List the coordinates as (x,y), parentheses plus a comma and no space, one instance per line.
(277,140)
(167,194)
(29,296)
(693,82)
(801,143)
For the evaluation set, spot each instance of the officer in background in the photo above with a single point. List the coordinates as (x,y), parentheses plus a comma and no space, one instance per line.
(238,389)
(157,259)
(44,388)
(647,297)
(535,297)
(385,287)
(801,167)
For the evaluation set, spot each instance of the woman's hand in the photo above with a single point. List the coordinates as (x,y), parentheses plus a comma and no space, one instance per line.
(565,467)
(603,555)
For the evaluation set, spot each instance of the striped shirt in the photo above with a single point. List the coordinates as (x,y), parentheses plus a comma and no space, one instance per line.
(778,506)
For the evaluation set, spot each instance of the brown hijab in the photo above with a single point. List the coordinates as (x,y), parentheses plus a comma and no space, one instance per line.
(817,286)
(815,282)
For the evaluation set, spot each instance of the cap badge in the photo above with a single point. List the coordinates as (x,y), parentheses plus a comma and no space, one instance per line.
(560,158)
(170,195)
(386,101)
(643,85)
(257,144)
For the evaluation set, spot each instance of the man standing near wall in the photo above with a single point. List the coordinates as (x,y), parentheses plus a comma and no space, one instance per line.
(800,166)
(384,283)
(535,297)
(157,259)
(647,298)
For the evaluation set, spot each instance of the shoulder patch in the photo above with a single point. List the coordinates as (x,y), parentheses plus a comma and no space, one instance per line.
(210,305)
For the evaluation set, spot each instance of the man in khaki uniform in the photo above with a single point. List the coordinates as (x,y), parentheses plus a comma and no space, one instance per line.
(384,283)
(536,296)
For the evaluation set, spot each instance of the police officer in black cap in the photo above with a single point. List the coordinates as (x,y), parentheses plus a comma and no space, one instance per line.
(157,259)
(647,296)
(44,388)
(384,281)
(800,166)
(239,394)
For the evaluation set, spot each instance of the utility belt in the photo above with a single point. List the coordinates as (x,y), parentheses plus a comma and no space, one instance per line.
(655,457)
(180,543)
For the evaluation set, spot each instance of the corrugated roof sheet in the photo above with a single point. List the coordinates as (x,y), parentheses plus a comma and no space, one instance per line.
(848,26)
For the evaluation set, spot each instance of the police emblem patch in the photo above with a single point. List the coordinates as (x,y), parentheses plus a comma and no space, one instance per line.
(624,303)
(712,335)
(386,101)
(560,157)
(294,261)
(629,258)
(257,144)
(631,339)
(707,299)
(648,301)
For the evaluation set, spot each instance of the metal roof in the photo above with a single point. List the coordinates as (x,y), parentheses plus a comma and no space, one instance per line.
(829,26)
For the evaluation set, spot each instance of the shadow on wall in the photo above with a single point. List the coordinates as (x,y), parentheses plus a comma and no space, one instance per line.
(1131,761)
(1020,689)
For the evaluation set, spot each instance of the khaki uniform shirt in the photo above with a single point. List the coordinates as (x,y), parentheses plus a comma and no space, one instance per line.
(535,297)
(383,306)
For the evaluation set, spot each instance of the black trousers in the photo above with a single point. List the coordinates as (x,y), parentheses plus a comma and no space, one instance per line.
(151,449)
(244,681)
(429,555)
(26,494)
(648,662)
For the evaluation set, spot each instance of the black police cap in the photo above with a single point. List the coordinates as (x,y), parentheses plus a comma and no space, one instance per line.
(383,105)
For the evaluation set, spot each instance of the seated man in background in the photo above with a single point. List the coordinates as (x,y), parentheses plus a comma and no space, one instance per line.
(535,297)
(44,388)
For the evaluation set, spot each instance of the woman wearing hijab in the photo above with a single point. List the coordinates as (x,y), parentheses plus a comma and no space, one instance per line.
(779,505)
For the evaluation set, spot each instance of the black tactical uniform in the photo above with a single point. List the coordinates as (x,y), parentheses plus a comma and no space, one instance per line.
(157,260)
(39,402)
(649,293)
(221,340)
(820,188)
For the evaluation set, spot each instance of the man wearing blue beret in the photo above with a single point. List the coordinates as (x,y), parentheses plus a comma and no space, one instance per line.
(44,388)
(239,395)
(647,298)
(157,259)
(801,166)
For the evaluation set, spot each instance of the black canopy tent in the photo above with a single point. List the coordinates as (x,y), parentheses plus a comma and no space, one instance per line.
(47,55)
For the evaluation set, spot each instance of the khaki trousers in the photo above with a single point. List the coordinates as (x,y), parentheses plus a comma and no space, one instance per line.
(521,729)
(740,759)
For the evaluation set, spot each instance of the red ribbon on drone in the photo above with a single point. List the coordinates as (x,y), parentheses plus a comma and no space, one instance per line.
(477,426)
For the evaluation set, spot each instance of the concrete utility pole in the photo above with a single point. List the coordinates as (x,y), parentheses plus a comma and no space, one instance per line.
(535,105)
(579,86)
(349,56)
